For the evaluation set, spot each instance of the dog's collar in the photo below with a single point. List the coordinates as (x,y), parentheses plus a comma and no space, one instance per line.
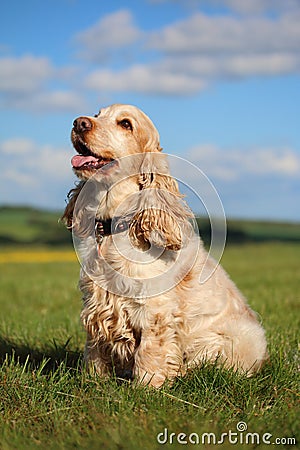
(110,226)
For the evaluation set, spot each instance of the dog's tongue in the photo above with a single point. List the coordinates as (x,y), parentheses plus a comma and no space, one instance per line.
(79,160)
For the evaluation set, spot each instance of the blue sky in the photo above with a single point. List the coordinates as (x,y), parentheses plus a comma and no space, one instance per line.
(219,78)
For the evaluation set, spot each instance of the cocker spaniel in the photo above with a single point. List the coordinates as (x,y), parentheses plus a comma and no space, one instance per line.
(146,314)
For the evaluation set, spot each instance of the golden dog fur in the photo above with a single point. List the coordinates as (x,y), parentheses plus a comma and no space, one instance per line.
(158,336)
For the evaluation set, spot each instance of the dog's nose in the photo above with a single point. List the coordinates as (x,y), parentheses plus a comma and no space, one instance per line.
(82,124)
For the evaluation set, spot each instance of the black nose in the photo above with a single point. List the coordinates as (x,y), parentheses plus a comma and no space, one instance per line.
(82,124)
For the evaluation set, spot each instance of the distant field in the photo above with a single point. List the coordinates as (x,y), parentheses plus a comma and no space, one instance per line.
(36,255)
(23,226)
(28,226)
(49,401)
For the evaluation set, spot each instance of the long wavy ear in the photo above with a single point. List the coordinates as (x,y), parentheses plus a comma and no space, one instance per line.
(79,214)
(67,217)
(162,216)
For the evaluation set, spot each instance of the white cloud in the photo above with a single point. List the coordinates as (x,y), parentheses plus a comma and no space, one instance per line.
(182,58)
(14,177)
(261,182)
(24,74)
(253,182)
(112,32)
(59,101)
(285,162)
(25,85)
(232,165)
(186,75)
(16,146)
(240,6)
(186,56)
(50,101)
(220,47)
(34,174)
(201,33)
(149,79)
(258,6)
(235,66)
(261,64)
(25,162)
(45,102)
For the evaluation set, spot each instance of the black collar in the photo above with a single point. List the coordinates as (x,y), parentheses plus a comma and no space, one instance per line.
(109,227)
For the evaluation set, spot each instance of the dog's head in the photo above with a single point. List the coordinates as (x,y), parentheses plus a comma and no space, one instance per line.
(116,131)
(121,145)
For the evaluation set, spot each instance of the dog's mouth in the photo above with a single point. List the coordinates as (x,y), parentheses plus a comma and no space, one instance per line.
(87,160)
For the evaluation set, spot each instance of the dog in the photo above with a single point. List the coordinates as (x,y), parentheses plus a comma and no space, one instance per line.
(146,314)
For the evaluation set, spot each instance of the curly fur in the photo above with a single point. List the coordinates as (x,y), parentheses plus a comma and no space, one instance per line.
(130,333)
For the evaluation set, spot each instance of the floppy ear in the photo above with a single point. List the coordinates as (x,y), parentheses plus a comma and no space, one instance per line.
(67,217)
(161,219)
(148,135)
(79,214)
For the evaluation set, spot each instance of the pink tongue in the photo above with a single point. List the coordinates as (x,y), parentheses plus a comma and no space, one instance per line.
(79,160)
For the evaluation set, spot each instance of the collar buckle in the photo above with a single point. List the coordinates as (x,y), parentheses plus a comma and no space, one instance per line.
(106,228)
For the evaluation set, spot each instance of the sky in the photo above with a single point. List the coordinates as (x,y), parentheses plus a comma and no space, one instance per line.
(219,78)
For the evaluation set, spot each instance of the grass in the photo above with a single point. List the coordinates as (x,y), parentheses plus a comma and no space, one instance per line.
(49,401)
(30,226)
(35,227)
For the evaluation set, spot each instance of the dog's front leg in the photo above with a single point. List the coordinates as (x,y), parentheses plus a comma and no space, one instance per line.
(158,356)
(97,357)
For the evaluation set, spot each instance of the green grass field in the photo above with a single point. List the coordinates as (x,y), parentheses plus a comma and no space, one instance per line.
(35,227)
(48,401)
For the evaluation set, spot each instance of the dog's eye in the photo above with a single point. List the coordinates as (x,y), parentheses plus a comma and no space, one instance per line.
(125,123)
(98,114)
